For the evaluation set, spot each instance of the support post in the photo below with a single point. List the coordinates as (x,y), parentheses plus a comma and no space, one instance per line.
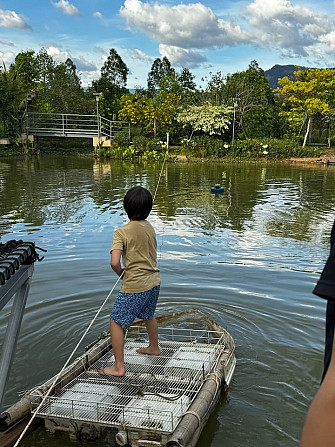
(20,291)
(27,121)
(235,104)
(63,124)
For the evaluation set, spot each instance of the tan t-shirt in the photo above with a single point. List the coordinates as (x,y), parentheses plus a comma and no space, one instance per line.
(137,240)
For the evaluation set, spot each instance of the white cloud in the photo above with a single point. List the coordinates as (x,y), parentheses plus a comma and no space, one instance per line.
(7,58)
(292,29)
(10,19)
(98,15)
(9,44)
(80,62)
(320,56)
(185,25)
(329,39)
(182,57)
(90,76)
(139,55)
(58,55)
(182,30)
(67,7)
(99,49)
(83,64)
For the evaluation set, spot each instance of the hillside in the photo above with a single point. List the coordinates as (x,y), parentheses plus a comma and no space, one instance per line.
(279,71)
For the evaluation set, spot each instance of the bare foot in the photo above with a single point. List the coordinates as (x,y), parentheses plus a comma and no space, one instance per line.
(149,350)
(112,371)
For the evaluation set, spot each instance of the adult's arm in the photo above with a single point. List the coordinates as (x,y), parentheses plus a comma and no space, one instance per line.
(319,427)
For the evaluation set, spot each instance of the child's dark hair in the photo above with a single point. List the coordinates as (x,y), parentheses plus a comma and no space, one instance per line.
(138,203)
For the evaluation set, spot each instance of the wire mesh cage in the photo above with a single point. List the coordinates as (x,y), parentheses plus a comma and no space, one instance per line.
(156,390)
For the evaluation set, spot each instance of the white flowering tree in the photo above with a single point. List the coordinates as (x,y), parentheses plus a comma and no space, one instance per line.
(207,118)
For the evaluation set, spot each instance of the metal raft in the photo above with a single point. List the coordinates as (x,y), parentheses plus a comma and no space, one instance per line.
(149,401)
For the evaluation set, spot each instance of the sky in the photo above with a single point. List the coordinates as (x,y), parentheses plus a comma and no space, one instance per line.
(206,37)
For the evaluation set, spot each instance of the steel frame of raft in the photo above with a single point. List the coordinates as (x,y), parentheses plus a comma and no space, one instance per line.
(16,287)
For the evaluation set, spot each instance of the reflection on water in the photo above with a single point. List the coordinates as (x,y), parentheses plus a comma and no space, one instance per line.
(249,258)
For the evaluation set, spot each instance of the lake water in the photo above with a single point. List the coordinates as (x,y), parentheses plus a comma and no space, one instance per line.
(249,258)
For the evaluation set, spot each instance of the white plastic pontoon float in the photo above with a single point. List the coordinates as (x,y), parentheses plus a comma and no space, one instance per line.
(162,401)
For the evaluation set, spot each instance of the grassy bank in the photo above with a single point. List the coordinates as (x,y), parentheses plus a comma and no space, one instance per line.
(211,148)
(154,149)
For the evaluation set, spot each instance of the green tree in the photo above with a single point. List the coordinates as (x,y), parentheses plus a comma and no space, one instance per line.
(312,92)
(63,92)
(256,112)
(256,109)
(71,71)
(45,68)
(26,69)
(186,80)
(114,69)
(11,104)
(159,69)
(111,85)
(216,88)
(110,99)
(178,83)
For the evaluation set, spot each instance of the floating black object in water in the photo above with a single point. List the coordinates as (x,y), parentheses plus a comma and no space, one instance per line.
(217,188)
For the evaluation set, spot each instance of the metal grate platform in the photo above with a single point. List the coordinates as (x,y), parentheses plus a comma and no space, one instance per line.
(156,390)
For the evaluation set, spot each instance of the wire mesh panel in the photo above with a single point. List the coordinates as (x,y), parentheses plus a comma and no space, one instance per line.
(156,390)
(160,413)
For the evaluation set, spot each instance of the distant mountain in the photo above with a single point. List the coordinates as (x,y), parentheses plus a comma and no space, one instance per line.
(280,71)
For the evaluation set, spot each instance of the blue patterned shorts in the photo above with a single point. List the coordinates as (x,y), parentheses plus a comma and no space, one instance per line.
(129,306)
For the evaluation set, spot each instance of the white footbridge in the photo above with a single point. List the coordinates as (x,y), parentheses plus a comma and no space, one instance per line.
(100,129)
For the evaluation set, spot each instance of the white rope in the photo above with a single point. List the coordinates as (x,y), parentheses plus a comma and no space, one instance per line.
(66,363)
(85,333)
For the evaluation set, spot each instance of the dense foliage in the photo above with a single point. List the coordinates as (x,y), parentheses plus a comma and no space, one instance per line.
(233,115)
(206,118)
(312,93)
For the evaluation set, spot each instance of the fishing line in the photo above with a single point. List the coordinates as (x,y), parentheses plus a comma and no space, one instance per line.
(83,336)
(154,197)
(160,175)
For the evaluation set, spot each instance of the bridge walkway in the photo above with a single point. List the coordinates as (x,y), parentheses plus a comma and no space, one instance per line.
(100,129)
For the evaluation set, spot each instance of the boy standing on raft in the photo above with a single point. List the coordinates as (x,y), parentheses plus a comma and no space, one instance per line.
(136,243)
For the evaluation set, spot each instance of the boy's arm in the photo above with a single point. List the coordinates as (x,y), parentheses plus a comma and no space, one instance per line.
(116,262)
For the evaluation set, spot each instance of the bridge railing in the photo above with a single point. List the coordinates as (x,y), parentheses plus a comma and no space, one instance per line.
(109,128)
(73,125)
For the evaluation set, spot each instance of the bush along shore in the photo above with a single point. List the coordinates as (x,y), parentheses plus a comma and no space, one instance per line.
(208,148)
(145,148)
